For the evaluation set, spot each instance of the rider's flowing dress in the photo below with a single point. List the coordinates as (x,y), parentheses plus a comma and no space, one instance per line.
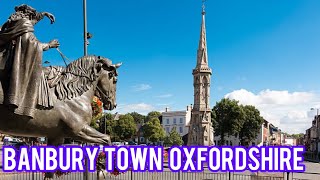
(24,86)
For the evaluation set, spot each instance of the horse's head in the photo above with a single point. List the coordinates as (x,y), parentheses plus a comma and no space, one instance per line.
(106,87)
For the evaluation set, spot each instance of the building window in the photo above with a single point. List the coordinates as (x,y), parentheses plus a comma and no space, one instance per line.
(168,130)
(181,120)
(174,121)
(167,121)
(181,129)
(141,139)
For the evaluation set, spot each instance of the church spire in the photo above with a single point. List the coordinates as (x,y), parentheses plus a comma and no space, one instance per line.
(202,57)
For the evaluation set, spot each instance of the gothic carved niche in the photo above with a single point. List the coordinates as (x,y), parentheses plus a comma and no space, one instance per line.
(196,91)
(196,79)
(203,96)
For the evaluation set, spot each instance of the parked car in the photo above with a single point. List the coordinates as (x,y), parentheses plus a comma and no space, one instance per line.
(7,141)
(18,145)
(117,144)
(132,143)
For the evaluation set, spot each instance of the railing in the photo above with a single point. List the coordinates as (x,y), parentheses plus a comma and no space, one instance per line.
(311,156)
(165,175)
(305,176)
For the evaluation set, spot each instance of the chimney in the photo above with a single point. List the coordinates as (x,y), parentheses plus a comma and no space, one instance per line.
(167,109)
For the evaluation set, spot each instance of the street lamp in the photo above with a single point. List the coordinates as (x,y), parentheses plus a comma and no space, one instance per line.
(105,124)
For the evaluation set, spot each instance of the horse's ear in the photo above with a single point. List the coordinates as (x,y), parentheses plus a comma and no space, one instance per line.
(98,67)
(118,65)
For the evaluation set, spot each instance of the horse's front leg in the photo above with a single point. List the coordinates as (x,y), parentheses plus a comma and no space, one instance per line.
(89,134)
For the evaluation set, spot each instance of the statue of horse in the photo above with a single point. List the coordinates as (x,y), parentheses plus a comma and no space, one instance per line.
(72,92)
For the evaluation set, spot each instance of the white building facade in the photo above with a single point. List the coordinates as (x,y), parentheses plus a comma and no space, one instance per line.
(178,119)
(268,135)
(235,141)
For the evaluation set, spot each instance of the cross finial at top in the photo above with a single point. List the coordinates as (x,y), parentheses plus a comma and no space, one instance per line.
(203,6)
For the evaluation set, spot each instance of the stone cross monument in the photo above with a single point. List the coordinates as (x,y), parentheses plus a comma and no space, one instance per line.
(200,129)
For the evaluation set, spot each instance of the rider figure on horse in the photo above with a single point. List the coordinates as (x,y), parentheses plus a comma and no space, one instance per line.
(23,86)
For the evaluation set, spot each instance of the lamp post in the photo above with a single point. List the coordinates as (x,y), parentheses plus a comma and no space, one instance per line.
(105,124)
(85,43)
(85,52)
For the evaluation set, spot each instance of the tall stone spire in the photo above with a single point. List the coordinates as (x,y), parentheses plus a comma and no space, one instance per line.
(200,128)
(202,58)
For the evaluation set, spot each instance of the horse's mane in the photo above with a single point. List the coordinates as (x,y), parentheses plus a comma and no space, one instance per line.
(77,78)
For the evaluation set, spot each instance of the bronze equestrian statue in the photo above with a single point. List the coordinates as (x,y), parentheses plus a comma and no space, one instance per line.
(50,102)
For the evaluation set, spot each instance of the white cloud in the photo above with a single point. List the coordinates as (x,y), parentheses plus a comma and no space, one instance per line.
(141,87)
(290,111)
(164,96)
(141,108)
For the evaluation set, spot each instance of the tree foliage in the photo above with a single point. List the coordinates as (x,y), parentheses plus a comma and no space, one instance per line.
(230,118)
(125,127)
(122,129)
(173,138)
(153,130)
(152,114)
(105,118)
(252,124)
(227,118)
(296,136)
(138,118)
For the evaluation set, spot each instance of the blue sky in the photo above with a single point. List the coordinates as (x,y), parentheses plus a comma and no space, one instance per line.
(252,45)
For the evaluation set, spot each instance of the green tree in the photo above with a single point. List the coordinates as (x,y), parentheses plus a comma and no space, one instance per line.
(153,130)
(252,124)
(138,118)
(125,127)
(173,138)
(151,115)
(297,136)
(227,118)
(110,129)
(103,125)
